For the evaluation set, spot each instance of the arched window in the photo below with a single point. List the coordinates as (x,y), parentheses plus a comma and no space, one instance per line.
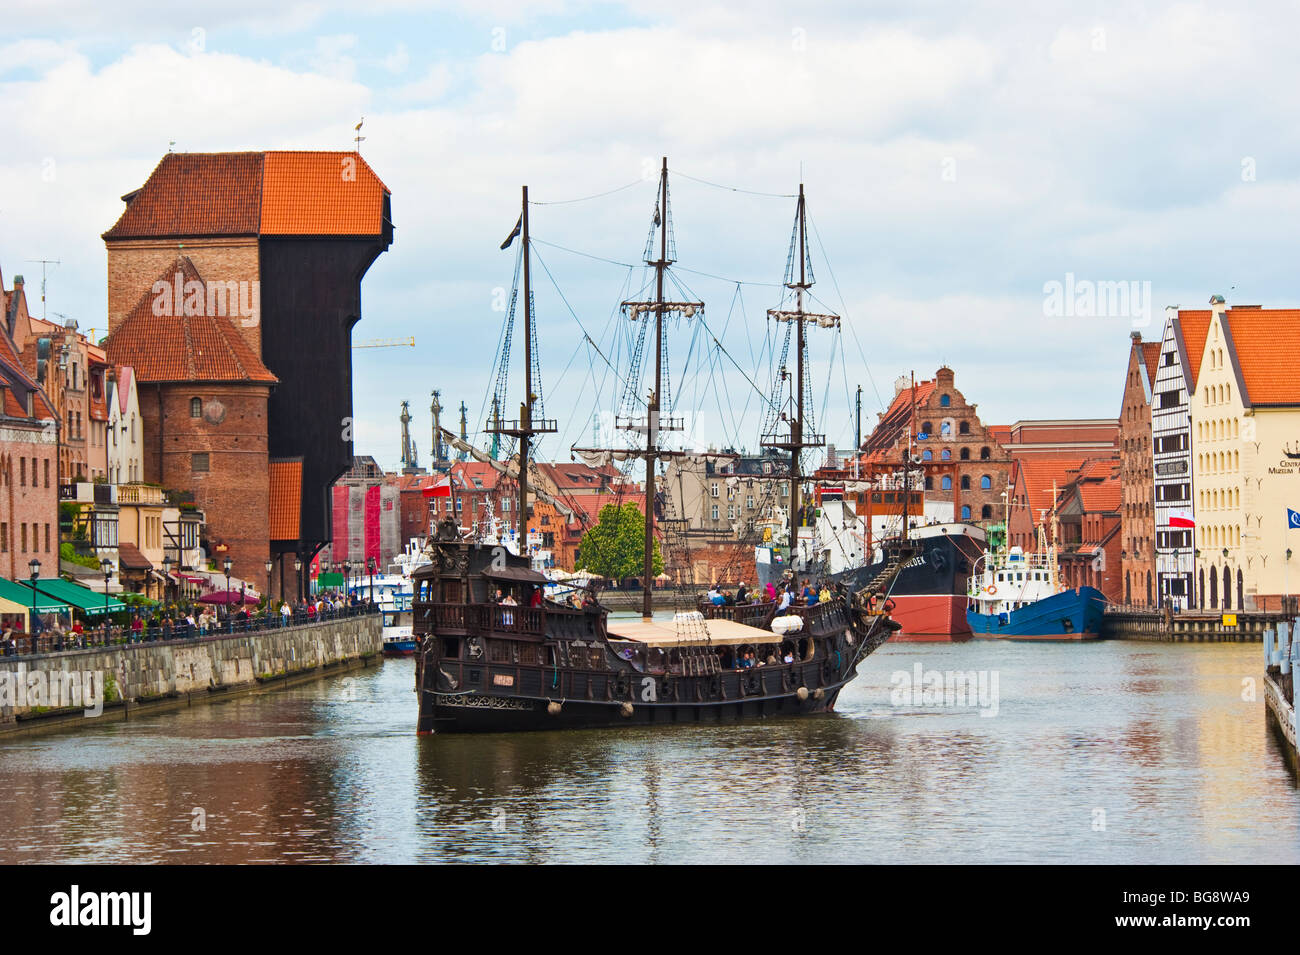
(984,454)
(196,407)
(963,428)
(946,483)
(945,400)
(986,483)
(926,455)
(927,427)
(965,454)
(986,512)
(965,482)
(965,512)
(929,483)
(947,454)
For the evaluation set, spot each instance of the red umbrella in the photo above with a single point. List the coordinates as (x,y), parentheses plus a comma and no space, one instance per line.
(226,597)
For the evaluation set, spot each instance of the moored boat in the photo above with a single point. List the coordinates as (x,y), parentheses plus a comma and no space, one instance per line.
(1016,596)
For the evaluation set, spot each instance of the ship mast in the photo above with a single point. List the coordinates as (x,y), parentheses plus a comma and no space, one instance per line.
(798,438)
(524,428)
(654,422)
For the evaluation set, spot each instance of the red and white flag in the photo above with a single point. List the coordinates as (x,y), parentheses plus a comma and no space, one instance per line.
(1181,519)
(441,487)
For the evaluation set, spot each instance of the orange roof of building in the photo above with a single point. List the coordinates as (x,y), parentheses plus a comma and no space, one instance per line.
(1001,433)
(1100,492)
(897,419)
(1194,326)
(180,347)
(286,499)
(1041,473)
(1265,343)
(255,193)
(1151,358)
(321,193)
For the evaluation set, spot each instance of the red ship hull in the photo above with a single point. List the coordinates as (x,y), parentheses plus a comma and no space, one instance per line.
(930,618)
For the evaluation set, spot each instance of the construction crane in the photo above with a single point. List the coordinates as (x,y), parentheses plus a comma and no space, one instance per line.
(386,343)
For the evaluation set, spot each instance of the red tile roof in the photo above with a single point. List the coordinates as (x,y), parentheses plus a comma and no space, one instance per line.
(896,422)
(286,499)
(321,193)
(255,193)
(170,347)
(1151,359)
(1194,326)
(129,556)
(1001,433)
(1041,472)
(1265,343)
(1099,486)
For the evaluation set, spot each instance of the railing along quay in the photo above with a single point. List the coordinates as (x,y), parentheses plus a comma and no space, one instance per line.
(1188,626)
(32,646)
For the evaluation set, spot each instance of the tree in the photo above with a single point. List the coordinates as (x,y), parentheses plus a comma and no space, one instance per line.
(615,547)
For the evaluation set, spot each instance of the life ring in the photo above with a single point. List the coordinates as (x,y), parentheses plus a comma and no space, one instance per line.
(991,589)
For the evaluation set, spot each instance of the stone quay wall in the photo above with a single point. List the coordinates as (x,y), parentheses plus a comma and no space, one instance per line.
(81,687)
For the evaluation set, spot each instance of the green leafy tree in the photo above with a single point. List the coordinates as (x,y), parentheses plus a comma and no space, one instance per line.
(615,547)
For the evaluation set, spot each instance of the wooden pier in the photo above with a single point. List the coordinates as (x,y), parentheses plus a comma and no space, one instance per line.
(1281,657)
(1163,626)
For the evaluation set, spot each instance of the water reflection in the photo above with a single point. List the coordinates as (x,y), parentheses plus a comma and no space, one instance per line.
(1100,753)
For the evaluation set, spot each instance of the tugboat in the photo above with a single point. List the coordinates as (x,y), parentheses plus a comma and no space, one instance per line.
(1016,596)
(496,655)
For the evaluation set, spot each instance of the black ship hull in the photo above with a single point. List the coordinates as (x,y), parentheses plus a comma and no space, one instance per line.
(485,667)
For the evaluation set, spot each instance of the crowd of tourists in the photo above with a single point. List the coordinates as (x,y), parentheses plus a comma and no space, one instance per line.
(789,593)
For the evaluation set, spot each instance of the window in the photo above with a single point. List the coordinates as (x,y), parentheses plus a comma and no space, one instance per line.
(196,407)
(199,463)
(927,428)
(946,483)
(965,454)
(713,490)
(945,400)
(47,538)
(965,482)
(947,454)
(749,502)
(986,483)
(22,472)
(929,483)
(24,526)
(4,537)
(963,428)
(984,454)
(965,512)
(713,512)
(927,455)
(986,512)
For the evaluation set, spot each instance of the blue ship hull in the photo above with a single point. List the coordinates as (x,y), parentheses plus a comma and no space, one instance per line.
(1071,615)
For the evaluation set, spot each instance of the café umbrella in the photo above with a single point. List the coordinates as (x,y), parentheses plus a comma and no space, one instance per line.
(226,597)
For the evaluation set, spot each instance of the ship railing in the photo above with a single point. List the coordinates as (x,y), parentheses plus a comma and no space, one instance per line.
(484,618)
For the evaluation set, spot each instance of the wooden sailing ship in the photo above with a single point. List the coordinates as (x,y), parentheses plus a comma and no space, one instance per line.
(495,654)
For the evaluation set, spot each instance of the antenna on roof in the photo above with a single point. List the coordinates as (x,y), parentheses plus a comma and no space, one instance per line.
(359,139)
(44,262)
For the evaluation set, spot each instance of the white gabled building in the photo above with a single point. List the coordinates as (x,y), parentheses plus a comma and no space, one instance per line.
(1171,444)
(125,429)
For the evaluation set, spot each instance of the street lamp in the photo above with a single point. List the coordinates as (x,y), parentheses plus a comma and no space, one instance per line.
(35,567)
(371,568)
(106,566)
(270,564)
(167,574)
(297,574)
(347,573)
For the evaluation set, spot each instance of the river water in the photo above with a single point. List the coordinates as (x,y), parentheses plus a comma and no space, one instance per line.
(1104,752)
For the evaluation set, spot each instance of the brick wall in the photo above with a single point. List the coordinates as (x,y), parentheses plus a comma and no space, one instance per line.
(1137,478)
(29,516)
(234,493)
(135,264)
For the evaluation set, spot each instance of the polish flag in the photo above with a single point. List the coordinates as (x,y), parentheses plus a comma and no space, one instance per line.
(439,488)
(1181,519)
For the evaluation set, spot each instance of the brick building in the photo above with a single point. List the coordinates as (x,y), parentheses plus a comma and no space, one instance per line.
(964,464)
(203,395)
(1088,529)
(283,240)
(1137,475)
(28,466)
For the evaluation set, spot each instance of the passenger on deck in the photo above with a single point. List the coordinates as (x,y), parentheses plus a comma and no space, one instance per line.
(788,658)
(715,597)
(785,600)
(742,594)
(771,657)
(771,592)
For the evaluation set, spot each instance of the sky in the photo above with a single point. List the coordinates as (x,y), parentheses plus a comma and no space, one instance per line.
(974,173)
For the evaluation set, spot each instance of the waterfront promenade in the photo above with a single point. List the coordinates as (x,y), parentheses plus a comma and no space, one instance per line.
(109,675)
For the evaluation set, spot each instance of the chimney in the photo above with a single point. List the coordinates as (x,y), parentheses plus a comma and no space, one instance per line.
(831,460)
(944,377)
(1217,304)
(900,383)
(18,282)
(1136,336)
